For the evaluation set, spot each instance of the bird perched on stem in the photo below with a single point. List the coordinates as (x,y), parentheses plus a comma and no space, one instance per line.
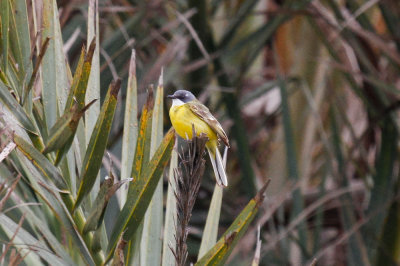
(186,111)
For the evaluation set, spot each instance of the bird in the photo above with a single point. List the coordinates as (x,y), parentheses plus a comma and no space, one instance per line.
(186,111)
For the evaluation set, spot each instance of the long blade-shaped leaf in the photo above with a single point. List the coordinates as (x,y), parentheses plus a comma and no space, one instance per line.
(54,73)
(63,131)
(5,9)
(143,188)
(20,14)
(382,190)
(28,88)
(97,145)
(107,189)
(129,137)
(46,168)
(221,251)
(76,96)
(81,77)
(142,152)
(16,109)
(141,158)
(151,242)
(390,240)
(34,217)
(170,214)
(94,79)
(19,46)
(291,160)
(51,198)
(25,241)
(210,232)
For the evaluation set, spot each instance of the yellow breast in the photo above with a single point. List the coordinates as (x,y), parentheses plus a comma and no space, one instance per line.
(182,119)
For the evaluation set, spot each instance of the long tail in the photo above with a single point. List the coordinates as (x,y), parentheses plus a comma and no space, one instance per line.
(218,166)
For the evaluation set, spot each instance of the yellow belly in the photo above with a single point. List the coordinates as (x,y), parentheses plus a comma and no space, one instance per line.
(182,119)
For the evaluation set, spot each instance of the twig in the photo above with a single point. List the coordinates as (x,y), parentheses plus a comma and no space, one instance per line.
(194,34)
(9,191)
(21,220)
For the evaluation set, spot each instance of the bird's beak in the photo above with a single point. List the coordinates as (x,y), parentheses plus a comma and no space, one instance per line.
(171,96)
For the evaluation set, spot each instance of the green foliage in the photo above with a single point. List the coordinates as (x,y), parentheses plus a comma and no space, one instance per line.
(220,252)
(97,145)
(307,90)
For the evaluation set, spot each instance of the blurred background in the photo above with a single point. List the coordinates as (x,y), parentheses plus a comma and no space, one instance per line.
(308,92)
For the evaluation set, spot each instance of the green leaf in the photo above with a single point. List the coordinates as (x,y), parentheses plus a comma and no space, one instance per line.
(130,134)
(210,232)
(291,159)
(20,15)
(97,239)
(142,152)
(93,92)
(19,63)
(16,109)
(81,77)
(223,248)
(389,252)
(170,214)
(129,140)
(133,252)
(66,136)
(141,158)
(107,190)
(143,187)
(385,165)
(98,142)
(94,78)
(54,71)
(52,199)
(32,80)
(47,169)
(62,133)
(151,244)
(5,7)
(35,218)
(24,242)
(76,96)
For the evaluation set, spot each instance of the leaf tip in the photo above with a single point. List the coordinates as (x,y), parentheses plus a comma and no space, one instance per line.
(92,45)
(132,64)
(260,195)
(161,78)
(84,109)
(115,86)
(150,97)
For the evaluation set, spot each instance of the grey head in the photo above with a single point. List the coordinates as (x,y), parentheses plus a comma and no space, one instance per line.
(182,95)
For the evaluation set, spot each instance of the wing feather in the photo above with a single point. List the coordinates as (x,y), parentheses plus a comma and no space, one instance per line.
(204,113)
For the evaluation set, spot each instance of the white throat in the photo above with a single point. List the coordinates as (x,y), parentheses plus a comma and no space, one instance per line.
(177,102)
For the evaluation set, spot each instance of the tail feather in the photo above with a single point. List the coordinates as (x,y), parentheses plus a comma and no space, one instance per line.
(218,167)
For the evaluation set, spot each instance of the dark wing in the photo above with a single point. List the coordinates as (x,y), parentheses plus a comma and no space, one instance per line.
(201,111)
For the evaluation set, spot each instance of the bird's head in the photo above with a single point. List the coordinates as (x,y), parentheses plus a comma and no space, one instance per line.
(181,97)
